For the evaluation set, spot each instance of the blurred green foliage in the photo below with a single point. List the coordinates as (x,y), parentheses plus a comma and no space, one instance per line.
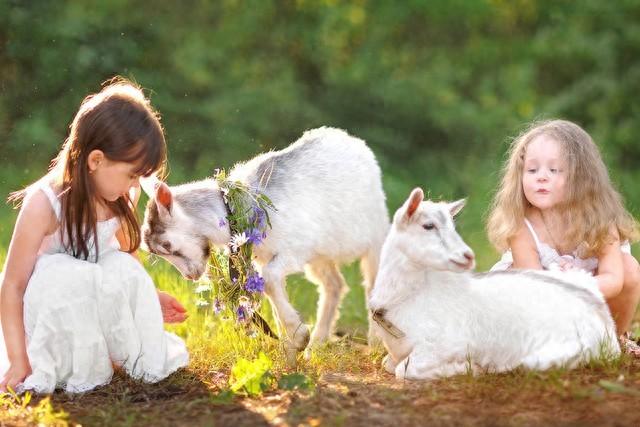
(436,87)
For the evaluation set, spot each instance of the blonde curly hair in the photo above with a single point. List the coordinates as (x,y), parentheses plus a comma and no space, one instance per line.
(591,203)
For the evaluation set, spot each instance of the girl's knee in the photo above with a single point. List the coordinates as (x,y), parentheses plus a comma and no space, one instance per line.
(121,271)
(115,261)
(60,277)
(115,257)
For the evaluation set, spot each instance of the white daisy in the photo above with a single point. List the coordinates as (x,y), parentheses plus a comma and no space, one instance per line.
(238,240)
(203,288)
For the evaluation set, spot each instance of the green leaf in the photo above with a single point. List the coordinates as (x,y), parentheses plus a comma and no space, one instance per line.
(252,377)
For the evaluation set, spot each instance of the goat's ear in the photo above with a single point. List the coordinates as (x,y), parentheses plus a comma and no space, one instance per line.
(163,197)
(456,207)
(412,203)
(150,184)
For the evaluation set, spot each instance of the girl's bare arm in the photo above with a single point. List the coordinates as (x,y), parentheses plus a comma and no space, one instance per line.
(35,220)
(524,251)
(610,268)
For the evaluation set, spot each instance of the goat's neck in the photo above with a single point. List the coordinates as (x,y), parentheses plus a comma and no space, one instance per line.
(397,280)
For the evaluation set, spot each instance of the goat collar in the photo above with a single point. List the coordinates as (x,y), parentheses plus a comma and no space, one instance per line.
(379,316)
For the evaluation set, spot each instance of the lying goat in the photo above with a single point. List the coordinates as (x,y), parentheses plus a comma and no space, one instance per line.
(437,319)
(330,209)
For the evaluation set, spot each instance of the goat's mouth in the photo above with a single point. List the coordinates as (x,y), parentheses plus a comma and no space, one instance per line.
(193,273)
(188,270)
(466,265)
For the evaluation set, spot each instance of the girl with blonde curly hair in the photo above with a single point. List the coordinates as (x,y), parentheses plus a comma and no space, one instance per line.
(556,208)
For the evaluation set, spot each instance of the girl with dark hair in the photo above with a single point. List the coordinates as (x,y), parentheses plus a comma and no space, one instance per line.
(75,301)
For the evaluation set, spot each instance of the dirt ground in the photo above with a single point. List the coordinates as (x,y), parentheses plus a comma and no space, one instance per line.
(583,397)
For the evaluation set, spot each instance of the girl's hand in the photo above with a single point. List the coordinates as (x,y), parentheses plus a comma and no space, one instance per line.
(567,265)
(15,375)
(172,310)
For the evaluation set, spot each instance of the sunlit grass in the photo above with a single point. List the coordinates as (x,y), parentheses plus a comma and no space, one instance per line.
(20,410)
(216,342)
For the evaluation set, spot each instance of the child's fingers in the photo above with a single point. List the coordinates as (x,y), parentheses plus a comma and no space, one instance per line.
(171,302)
(6,381)
(9,382)
(174,320)
(175,317)
(177,306)
(179,317)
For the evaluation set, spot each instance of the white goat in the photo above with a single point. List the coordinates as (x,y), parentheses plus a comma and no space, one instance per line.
(437,319)
(331,209)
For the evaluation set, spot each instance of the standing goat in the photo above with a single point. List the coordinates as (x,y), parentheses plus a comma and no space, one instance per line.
(437,319)
(330,209)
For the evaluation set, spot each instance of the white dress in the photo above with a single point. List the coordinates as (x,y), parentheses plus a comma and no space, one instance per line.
(83,317)
(550,259)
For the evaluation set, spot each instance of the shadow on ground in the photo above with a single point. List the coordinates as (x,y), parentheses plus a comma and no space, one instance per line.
(180,400)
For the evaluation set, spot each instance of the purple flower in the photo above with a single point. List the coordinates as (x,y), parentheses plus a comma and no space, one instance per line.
(217,306)
(255,236)
(241,313)
(222,222)
(259,217)
(254,283)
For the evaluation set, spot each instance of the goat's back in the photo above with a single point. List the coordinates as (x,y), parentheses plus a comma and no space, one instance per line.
(552,318)
(507,319)
(327,190)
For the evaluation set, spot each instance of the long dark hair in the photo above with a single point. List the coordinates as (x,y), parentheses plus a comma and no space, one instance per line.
(119,121)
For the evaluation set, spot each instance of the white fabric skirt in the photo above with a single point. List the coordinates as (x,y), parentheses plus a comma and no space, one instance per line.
(81,318)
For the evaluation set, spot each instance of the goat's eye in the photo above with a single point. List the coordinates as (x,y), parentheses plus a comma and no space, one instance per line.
(429,226)
(166,246)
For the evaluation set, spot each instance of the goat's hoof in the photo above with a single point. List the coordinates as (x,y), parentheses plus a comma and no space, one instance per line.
(388,364)
(308,353)
(316,342)
(301,337)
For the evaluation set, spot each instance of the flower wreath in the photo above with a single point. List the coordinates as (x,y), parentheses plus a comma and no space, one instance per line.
(234,286)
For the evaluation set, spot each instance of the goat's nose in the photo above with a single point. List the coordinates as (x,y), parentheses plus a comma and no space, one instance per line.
(469,256)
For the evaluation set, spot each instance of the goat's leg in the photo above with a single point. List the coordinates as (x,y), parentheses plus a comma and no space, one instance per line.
(369,267)
(389,364)
(421,365)
(331,285)
(290,326)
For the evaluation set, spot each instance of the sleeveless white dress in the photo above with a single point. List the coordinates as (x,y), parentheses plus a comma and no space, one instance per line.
(83,317)
(550,259)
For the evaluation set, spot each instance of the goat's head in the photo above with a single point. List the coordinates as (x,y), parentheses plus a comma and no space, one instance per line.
(180,225)
(425,233)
